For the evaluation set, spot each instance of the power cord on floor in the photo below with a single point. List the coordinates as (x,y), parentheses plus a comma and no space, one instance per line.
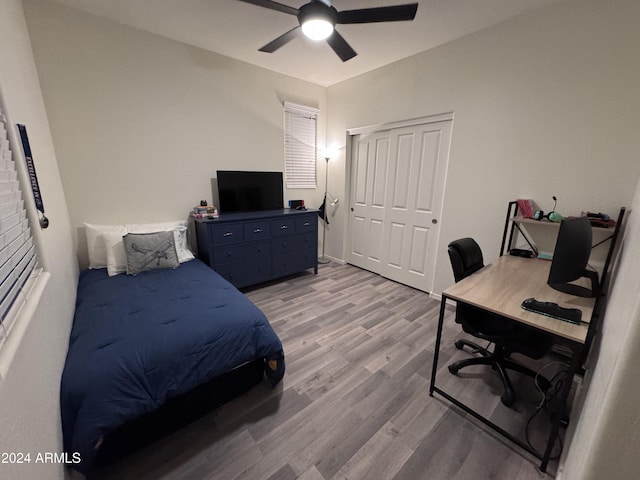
(551,404)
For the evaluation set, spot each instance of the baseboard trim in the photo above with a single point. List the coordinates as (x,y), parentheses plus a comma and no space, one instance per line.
(336,260)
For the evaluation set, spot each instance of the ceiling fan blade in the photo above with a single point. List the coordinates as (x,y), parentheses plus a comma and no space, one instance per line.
(278,7)
(281,40)
(341,47)
(395,13)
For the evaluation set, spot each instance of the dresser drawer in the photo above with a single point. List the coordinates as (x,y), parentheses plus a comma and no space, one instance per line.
(292,243)
(283,226)
(227,233)
(241,251)
(256,230)
(288,263)
(245,273)
(307,224)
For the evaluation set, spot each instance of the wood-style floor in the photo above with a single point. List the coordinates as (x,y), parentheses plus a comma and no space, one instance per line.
(354,402)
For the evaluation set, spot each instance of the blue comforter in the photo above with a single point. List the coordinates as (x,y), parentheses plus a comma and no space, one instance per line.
(137,341)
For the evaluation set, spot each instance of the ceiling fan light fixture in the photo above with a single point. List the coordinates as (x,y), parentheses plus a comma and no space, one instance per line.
(318,19)
(317,28)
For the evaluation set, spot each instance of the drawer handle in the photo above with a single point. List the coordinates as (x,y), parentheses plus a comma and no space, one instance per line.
(257,230)
(283,227)
(227,234)
(306,224)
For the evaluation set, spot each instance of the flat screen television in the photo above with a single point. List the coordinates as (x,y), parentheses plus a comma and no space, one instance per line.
(570,258)
(244,191)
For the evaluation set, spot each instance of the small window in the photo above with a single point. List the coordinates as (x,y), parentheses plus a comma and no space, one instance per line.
(300,140)
(19,267)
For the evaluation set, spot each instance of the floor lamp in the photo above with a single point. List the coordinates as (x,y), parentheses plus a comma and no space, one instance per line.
(324,259)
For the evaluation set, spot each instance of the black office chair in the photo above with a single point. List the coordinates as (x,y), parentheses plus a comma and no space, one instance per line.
(508,337)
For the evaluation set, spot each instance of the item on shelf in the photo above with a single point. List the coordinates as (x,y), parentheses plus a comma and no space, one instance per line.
(519,252)
(555,217)
(600,220)
(526,207)
(552,216)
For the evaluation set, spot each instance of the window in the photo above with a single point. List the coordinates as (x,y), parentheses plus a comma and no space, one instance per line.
(19,267)
(300,135)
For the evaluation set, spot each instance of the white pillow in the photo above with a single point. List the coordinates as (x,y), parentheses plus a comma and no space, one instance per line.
(95,242)
(116,254)
(155,227)
(182,247)
(179,229)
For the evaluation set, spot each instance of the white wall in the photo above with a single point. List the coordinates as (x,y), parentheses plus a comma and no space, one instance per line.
(546,104)
(606,439)
(141,123)
(29,396)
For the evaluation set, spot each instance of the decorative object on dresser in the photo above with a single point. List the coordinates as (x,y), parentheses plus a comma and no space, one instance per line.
(254,247)
(204,211)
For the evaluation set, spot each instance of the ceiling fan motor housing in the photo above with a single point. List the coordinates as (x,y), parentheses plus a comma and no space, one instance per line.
(317,10)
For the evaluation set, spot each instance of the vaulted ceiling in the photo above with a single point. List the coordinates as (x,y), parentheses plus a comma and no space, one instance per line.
(237,29)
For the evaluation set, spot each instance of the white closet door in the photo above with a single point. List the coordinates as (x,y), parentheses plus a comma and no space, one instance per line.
(369,170)
(397,190)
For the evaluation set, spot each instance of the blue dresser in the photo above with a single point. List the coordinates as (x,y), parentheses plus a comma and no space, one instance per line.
(250,248)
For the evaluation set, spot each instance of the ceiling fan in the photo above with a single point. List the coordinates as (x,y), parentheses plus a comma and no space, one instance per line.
(318,20)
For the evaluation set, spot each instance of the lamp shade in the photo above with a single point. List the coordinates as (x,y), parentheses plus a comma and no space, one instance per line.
(317,28)
(329,153)
(317,20)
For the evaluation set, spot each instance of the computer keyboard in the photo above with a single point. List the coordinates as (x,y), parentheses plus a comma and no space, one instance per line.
(550,309)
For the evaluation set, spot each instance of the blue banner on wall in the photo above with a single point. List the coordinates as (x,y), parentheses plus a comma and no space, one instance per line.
(33,177)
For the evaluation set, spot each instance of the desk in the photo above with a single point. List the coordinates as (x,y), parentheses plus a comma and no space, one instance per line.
(500,288)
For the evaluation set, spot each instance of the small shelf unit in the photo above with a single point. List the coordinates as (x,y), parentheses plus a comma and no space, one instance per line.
(514,220)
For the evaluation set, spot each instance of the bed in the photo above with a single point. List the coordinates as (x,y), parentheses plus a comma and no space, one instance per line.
(138,341)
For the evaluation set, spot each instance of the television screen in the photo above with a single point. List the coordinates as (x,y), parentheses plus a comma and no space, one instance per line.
(242,191)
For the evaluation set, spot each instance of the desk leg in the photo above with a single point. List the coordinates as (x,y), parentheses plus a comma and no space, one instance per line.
(436,349)
(564,395)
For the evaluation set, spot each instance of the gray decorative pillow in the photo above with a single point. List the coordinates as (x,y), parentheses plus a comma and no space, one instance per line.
(150,251)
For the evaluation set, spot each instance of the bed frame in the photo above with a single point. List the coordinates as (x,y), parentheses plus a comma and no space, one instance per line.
(177,413)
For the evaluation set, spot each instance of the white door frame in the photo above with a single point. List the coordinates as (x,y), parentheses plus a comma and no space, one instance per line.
(352,132)
(442,117)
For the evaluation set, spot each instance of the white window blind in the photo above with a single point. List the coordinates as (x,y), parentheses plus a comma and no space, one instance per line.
(300,140)
(18,261)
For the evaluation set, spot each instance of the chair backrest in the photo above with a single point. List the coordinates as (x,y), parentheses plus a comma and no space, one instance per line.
(466,257)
